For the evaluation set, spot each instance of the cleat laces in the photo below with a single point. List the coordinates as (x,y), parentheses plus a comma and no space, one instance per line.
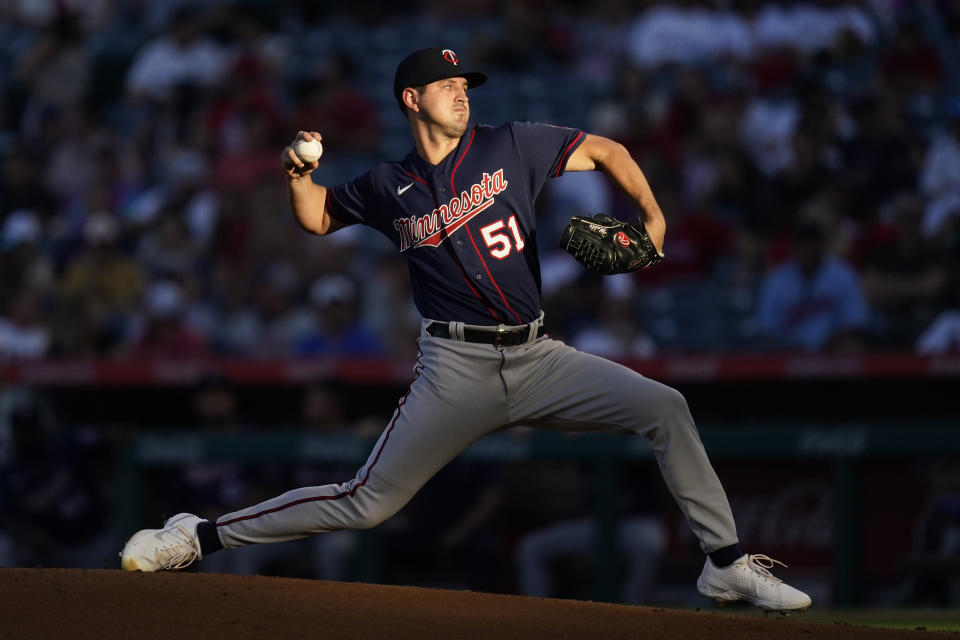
(761,564)
(174,556)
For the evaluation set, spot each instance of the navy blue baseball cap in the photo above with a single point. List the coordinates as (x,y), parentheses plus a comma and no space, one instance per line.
(424,66)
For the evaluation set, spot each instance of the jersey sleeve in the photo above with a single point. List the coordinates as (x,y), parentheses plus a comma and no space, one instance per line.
(545,148)
(350,202)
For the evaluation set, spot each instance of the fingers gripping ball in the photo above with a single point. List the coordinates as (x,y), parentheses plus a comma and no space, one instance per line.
(607,245)
(308,150)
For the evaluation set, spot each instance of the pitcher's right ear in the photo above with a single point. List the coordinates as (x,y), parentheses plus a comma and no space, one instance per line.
(411,99)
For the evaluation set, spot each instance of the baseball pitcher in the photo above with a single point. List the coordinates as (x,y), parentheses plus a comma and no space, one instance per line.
(460,208)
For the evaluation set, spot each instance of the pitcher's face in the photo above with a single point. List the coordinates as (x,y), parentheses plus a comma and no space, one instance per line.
(445,104)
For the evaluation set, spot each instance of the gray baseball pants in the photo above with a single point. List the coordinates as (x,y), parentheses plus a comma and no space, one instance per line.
(464,391)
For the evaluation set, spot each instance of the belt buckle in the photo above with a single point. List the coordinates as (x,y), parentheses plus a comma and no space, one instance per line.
(499,336)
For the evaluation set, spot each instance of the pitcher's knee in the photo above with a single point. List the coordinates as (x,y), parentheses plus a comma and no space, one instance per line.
(667,413)
(678,402)
(369,517)
(373,508)
(367,521)
(670,402)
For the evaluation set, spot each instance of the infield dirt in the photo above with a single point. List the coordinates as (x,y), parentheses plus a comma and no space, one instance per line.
(101,604)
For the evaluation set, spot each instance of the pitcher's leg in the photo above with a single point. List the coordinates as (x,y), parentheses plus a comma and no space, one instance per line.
(361,503)
(570,390)
(449,406)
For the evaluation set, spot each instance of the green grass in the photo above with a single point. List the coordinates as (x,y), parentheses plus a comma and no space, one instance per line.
(929,619)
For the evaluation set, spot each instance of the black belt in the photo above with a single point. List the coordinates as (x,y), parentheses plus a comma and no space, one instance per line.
(505,337)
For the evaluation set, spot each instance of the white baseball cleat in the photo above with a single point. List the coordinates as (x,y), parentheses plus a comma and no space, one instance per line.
(175,546)
(749,579)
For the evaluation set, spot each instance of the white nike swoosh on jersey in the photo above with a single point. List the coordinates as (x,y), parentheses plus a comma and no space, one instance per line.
(400,190)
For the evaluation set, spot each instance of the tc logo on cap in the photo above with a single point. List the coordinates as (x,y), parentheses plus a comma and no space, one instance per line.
(450,56)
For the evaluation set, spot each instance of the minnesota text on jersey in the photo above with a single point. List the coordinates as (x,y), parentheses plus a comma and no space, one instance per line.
(427,230)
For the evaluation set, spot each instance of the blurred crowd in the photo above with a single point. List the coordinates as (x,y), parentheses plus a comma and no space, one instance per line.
(806,155)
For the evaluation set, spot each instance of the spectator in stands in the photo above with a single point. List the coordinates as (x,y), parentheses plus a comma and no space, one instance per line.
(250,92)
(811,27)
(322,413)
(24,260)
(180,56)
(911,63)
(618,334)
(28,14)
(24,332)
(388,308)
(329,99)
(21,186)
(904,274)
(824,126)
(167,248)
(339,329)
(943,334)
(641,539)
(813,301)
(933,578)
(523,38)
(209,486)
(600,35)
(462,545)
(941,215)
(883,157)
(940,168)
(217,485)
(579,193)
(237,327)
(247,164)
(849,66)
(55,489)
(284,320)
(76,134)
(161,331)
(103,280)
(234,233)
(688,32)
(115,178)
(767,128)
(54,71)
(699,240)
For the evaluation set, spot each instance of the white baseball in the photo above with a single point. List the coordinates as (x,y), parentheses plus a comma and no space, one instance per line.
(308,150)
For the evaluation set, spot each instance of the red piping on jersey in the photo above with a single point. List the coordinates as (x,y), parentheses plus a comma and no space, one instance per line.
(563,158)
(418,178)
(353,491)
(453,189)
(466,278)
(436,204)
(490,275)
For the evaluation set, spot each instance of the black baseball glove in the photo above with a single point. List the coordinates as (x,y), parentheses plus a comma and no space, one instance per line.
(607,245)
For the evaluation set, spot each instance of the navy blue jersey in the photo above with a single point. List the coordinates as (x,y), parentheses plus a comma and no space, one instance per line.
(466,225)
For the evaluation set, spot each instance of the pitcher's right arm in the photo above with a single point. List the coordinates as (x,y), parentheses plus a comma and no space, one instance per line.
(308,200)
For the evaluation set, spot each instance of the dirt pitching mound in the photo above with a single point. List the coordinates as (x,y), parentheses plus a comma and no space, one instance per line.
(77,604)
